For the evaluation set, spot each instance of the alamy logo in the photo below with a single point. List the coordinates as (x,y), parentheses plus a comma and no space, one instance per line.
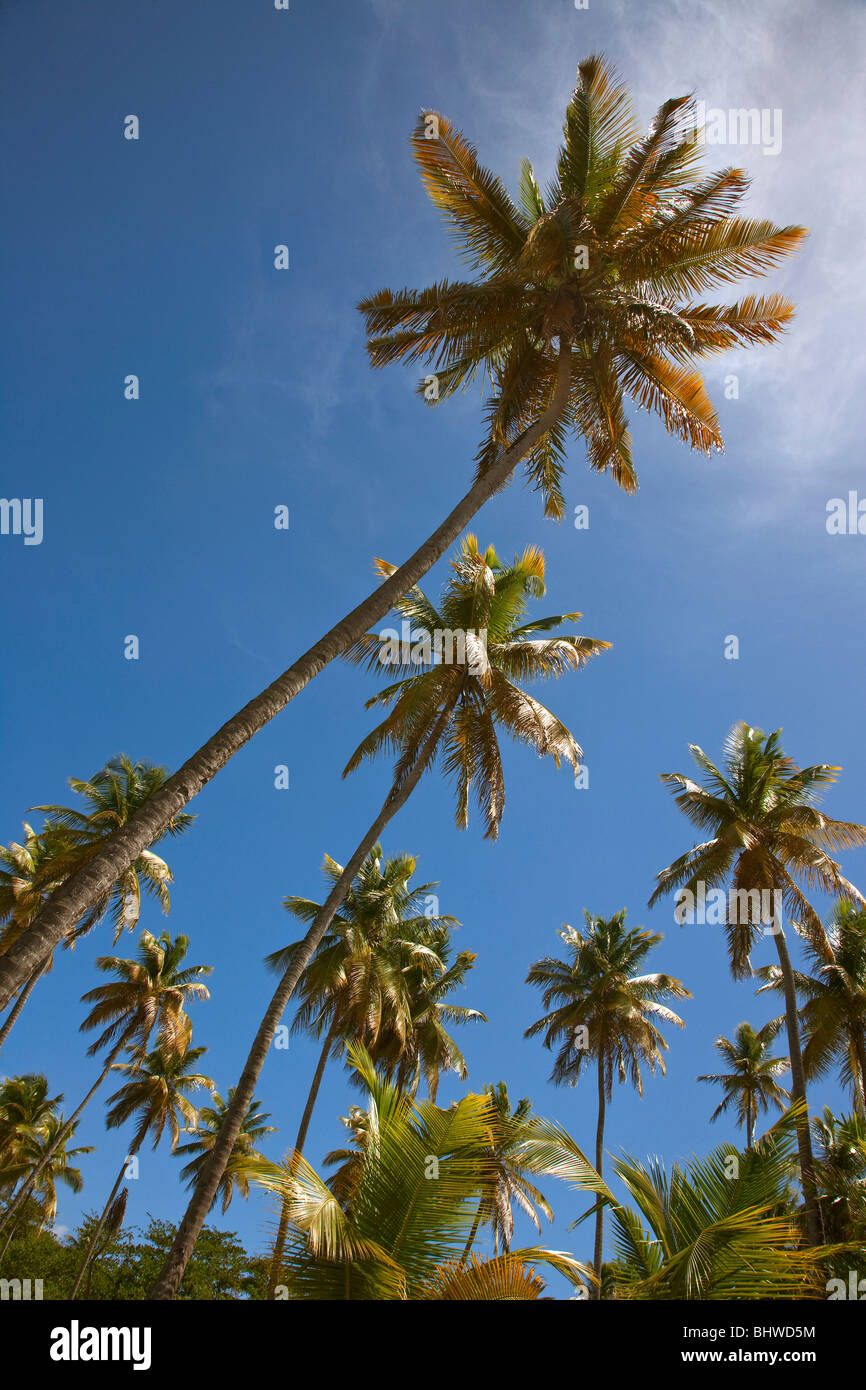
(77,1343)
(739,906)
(22,516)
(739,125)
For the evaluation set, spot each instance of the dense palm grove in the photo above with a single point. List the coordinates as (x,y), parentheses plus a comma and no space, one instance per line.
(584,295)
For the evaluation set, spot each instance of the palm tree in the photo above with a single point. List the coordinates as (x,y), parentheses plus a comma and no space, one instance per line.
(750,1086)
(157,1095)
(424,1048)
(372,980)
(834,1011)
(841,1171)
(448,706)
(766,838)
(245,1158)
(599,1007)
(24,1107)
(581,295)
(510,1183)
(398,1233)
(149,992)
(70,838)
(44,1149)
(719,1227)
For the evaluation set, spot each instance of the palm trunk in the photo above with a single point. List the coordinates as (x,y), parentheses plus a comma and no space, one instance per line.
(751,1121)
(23,995)
(798,1089)
(134,1147)
(213,1169)
(280,1242)
(472,1234)
(860,1049)
(599,1160)
(82,890)
(62,1134)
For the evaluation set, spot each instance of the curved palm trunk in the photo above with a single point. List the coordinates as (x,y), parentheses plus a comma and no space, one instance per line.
(798,1089)
(83,889)
(280,1242)
(133,1150)
(23,996)
(212,1171)
(599,1160)
(63,1133)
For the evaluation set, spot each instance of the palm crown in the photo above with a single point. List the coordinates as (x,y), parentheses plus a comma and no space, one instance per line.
(607,260)
(479,689)
(766,834)
(751,1085)
(599,990)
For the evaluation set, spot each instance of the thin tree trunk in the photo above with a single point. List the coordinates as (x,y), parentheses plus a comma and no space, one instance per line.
(23,995)
(472,1234)
(860,1048)
(599,1161)
(62,1134)
(280,1242)
(798,1089)
(59,915)
(213,1169)
(133,1150)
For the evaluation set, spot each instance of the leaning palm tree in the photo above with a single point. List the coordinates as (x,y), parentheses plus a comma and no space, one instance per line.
(834,993)
(397,1230)
(157,1095)
(449,706)
(148,993)
(245,1158)
(372,979)
(581,295)
(30,873)
(510,1185)
(768,840)
(600,1008)
(751,1085)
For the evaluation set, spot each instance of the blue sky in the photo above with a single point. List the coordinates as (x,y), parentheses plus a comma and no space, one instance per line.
(155,257)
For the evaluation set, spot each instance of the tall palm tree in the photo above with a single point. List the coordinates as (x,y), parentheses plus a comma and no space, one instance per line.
(69,840)
(834,994)
(149,993)
(157,1095)
(751,1085)
(768,840)
(510,1183)
(245,1158)
(581,295)
(599,1007)
(445,705)
(372,980)
(395,1233)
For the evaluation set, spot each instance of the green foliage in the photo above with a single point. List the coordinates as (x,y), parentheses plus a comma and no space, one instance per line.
(128,1264)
